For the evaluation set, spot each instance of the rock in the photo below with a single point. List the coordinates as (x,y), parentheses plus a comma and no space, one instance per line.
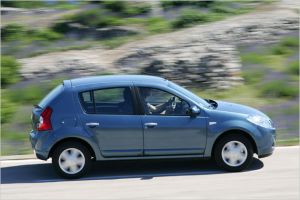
(204,56)
(115,31)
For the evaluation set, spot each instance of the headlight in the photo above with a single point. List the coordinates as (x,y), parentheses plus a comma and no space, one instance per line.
(260,121)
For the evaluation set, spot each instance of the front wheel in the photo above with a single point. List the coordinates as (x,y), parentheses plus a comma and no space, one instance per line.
(71,160)
(233,153)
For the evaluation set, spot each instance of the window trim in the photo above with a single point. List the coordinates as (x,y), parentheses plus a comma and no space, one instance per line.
(91,91)
(141,102)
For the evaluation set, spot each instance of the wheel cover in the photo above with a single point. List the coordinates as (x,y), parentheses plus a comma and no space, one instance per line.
(71,161)
(234,153)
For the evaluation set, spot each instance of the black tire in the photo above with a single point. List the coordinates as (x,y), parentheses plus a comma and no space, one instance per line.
(73,145)
(218,152)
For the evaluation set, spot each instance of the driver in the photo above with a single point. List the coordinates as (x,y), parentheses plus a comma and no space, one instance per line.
(149,108)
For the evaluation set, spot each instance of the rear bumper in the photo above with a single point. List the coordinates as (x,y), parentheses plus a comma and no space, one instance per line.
(39,143)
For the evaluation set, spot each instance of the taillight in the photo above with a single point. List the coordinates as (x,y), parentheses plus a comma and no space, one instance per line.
(45,120)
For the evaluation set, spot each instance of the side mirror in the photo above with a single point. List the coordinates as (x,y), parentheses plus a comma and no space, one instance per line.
(194,111)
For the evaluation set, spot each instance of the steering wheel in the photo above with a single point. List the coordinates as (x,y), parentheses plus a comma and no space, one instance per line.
(173,103)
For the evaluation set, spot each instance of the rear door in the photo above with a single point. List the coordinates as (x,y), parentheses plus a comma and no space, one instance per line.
(109,114)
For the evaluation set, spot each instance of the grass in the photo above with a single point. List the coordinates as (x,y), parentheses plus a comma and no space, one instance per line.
(288,142)
(158,25)
(274,58)
(118,41)
(278,88)
(252,76)
(247,94)
(293,68)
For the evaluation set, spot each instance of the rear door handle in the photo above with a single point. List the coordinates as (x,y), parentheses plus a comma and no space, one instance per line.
(92,124)
(150,125)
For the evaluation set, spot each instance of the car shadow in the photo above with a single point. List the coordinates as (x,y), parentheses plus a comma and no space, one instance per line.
(104,170)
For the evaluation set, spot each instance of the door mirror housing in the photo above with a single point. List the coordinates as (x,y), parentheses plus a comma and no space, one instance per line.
(194,111)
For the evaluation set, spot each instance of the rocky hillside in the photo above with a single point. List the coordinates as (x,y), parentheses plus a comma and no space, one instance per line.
(205,55)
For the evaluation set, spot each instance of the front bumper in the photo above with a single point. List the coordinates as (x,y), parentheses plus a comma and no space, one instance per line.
(267,142)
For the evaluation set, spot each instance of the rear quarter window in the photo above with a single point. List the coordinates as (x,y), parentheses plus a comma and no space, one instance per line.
(51,96)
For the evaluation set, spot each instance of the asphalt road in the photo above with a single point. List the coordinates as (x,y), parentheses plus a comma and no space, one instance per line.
(275,177)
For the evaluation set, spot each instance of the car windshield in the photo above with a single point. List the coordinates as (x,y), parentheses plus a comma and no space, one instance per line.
(189,94)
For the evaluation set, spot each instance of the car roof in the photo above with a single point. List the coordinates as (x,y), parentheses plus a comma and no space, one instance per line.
(117,78)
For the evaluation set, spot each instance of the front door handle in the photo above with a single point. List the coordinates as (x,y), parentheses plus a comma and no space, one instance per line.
(92,124)
(150,125)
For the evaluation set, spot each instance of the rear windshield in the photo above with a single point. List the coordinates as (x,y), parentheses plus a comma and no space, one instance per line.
(50,96)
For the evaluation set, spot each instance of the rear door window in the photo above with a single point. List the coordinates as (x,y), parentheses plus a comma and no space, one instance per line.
(109,101)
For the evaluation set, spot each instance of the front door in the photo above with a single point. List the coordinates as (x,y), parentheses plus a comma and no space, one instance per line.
(168,129)
(110,117)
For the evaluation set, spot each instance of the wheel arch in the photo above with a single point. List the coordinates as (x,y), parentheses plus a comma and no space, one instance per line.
(73,139)
(235,132)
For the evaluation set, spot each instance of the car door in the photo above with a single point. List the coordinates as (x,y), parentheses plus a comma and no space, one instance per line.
(109,115)
(170,132)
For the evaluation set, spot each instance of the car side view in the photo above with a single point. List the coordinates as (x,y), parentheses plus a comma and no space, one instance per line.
(143,117)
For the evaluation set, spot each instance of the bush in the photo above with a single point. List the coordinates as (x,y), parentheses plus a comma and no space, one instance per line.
(88,17)
(9,70)
(280,50)
(293,67)
(290,42)
(7,108)
(28,95)
(15,32)
(45,34)
(115,6)
(23,4)
(166,4)
(253,76)
(12,32)
(190,17)
(92,18)
(127,8)
(279,89)
(61,27)
(222,9)
(158,25)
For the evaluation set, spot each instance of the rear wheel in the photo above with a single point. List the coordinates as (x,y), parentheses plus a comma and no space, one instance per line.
(72,160)
(233,153)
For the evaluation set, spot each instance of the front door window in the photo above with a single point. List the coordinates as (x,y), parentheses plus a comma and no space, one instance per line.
(159,102)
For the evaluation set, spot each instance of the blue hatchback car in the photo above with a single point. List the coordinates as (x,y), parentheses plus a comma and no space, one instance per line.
(143,117)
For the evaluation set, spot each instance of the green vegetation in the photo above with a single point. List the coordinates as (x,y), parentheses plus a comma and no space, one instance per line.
(276,56)
(166,4)
(293,67)
(16,32)
(252,76)
(289,142)
(279,89)
(65,5)
(189,18)
(117,41)
(7,107)
(217,11)
(127,9)
(158,25)
(9,70)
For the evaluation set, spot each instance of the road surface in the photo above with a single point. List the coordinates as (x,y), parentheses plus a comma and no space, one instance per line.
(275,177)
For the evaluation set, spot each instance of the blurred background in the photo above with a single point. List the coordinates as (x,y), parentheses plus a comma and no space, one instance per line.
(240,51)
